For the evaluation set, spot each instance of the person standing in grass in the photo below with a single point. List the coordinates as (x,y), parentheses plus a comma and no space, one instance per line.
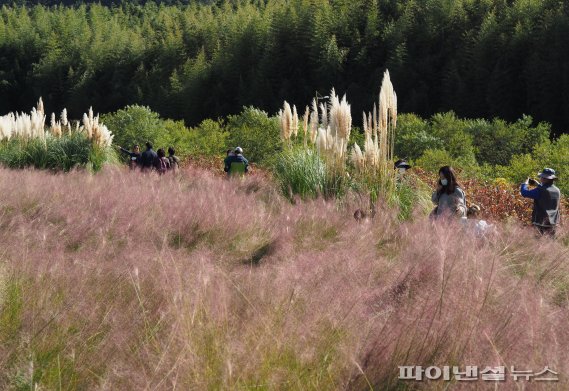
(134,156)
(236,163)
(148,157)
(173,159)
(546,198)
(449,198)
(161,163)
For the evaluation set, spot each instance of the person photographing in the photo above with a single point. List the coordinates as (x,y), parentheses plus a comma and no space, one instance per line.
(546,198)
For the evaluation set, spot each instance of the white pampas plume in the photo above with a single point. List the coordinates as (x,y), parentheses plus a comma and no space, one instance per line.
(340,124)
(324,114)
(55,126)
(330,142)
(357,157)
(314,121)
(37,119)
(285,116)
(40,106)
(7,126)
(294,124)
(305,124)
(64,121)
(321,140)
(388,117)
(87,126)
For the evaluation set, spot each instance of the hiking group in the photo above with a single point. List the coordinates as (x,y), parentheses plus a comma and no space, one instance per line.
(151,160)
(234,164)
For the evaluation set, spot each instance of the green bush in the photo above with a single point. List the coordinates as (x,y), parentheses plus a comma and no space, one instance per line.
(520,167)
(257,133)
(497,142)
(413,137)
(138,124)
(433,159)
(452,131)
(208,138)
(133,125)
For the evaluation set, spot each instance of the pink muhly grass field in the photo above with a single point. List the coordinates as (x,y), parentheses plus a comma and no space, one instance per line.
(126,281)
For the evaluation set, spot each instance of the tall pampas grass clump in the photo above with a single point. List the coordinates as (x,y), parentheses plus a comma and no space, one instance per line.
(26,141)
(23,126)
(328,140)
(328,127)
(374,164)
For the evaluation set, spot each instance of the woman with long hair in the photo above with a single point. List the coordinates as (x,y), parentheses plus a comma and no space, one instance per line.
(449,196)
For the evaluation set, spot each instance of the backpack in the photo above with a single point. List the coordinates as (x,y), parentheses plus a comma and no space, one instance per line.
(163,165)
(173,160)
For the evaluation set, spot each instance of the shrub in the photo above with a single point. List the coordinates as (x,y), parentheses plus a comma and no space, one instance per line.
(138,124)
(208,138)
(414,137)
(452,131)
(433,159)
(497,142)
(257,133)
(134,125)
(520,167)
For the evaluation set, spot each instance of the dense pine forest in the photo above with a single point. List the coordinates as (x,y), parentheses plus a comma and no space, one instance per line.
(479,58)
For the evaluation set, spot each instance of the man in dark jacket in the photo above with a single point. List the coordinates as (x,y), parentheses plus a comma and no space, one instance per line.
(546,198)
(148,157)
(236,163)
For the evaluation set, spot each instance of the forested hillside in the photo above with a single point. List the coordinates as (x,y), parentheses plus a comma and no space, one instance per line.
(110,3)
(479,58)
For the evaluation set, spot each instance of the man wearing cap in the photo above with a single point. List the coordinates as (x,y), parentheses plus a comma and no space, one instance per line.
(236,162)
(546,197)
(402,165)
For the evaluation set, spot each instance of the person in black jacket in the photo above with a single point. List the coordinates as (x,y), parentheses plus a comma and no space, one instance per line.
(148,157)
(546,198)
(134,160)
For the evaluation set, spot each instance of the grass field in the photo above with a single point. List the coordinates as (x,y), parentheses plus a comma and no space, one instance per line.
(124,281)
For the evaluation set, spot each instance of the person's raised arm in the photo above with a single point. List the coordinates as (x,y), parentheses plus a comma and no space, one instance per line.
(525,192)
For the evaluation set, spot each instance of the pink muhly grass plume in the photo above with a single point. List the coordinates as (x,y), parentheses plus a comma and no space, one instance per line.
(127,281)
